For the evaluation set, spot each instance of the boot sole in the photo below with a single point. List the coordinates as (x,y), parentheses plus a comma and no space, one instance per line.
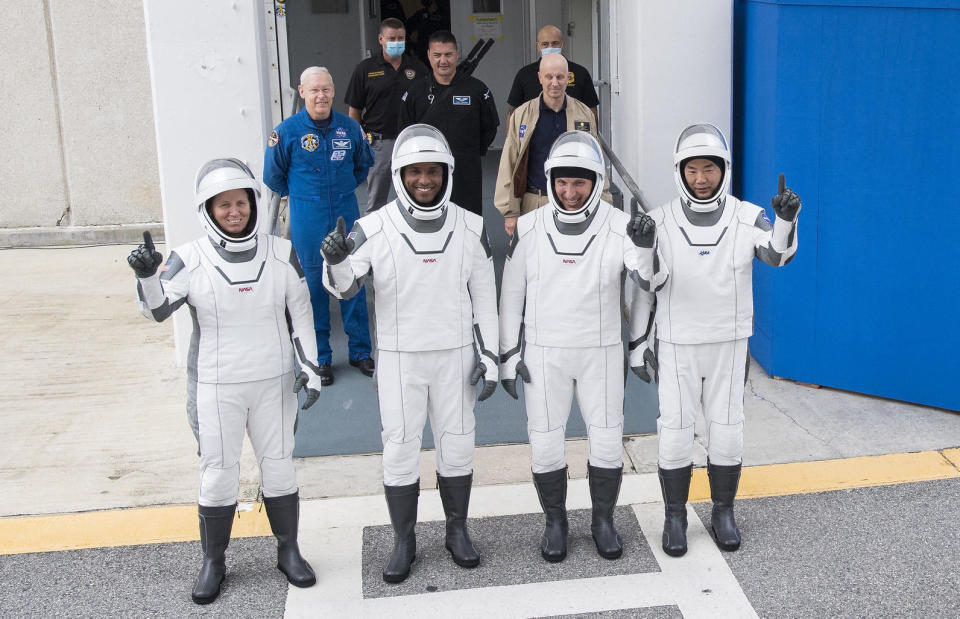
(722,546)
(204,601)
(461,562)
(675,553)
(399,577)
(303,584)
(553,558)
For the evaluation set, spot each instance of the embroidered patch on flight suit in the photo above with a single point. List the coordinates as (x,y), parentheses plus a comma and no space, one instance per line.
(410,73)
(274,139)
(375,74)
(581,125)
(340,132)
(310,142)
(341,144)
(338,155)
(461,99)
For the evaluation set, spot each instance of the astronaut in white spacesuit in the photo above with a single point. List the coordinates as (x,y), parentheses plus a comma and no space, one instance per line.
(436,320)
(700,267)
(560,332)
(251,313)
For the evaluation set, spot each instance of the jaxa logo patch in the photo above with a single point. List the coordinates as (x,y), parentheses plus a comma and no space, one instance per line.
(341,144)
(338,155)
(341,132)
(274,139)
(461,100)
(523,129)
(309,142)
(410,73)
(581,125)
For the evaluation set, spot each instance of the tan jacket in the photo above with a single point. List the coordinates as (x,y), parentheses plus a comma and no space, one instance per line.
(512,175)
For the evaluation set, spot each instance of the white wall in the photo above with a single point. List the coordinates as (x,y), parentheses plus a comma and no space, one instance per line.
(77,147)
(672,65)
(211,98)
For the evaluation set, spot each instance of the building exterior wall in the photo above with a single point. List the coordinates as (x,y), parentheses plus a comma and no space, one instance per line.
(79,147)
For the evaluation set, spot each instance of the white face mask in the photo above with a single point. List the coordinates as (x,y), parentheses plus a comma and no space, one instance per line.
(549,50)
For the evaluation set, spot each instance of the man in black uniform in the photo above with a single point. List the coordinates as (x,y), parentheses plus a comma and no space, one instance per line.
(526,84)
(462,108)
(374,97)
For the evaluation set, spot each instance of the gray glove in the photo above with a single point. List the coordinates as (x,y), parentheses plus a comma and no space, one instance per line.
(489,386)
(510,384)
(785,203)
(336,246)
(311,381)
(145,259)
(649,359)
(642,230)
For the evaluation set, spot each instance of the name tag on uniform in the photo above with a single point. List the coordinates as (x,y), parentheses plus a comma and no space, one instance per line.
(461,100)
(375,74)
(337,155)
(581,125)
(341,144)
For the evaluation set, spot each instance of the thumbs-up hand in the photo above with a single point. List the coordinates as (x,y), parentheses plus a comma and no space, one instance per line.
(145,259)
(785,203)
(336,246)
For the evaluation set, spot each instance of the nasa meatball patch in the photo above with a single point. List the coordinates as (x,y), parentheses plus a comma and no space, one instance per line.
(274,139)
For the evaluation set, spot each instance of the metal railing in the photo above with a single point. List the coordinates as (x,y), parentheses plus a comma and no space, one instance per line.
(636,196)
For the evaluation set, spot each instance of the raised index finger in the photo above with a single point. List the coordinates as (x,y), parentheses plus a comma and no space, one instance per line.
(148,240)
(781,185)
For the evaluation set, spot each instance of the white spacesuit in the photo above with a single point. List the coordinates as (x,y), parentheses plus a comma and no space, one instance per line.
(249,302)
(436,323)
(560,331)
(701,272)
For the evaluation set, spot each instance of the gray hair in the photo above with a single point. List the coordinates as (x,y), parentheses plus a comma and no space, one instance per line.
(311,70)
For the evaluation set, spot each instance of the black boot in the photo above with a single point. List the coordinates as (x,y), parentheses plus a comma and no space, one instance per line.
(284,515)
(402,505)
(552,492)
(215,525)
(723,489)
(675,486)
(604,489)
(455,495)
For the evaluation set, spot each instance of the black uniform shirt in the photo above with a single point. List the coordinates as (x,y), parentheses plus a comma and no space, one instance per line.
(465,113)
(550,125)
(376,89)
(526,86)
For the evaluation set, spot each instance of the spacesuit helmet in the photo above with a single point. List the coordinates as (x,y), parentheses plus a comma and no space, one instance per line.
(422,143)
(575,149)
(215,177)
(702,141)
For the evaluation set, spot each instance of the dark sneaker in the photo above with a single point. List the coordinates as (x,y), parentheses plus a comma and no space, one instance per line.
(326,374)
(364,365)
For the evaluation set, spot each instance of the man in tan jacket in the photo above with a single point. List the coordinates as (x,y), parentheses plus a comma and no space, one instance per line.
(531,131)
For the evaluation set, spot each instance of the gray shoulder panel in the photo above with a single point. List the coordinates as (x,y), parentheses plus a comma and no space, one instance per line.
(295,262)
(358,236)
(173,266)
(762,222)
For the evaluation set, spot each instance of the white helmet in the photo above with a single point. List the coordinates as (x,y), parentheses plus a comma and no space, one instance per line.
(422,144)
(706,141)
(575,149)
(215,177)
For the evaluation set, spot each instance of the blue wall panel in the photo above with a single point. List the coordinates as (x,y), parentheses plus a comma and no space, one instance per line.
(859,105)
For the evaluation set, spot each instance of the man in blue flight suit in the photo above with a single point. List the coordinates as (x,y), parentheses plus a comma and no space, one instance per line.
(318,157)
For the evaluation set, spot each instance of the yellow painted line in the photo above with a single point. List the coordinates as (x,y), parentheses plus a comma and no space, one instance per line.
(178,523)
(825,475)
(953,455)
(119,527)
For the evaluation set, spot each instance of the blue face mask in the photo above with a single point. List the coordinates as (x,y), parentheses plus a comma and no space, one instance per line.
(395,48)
(549,50)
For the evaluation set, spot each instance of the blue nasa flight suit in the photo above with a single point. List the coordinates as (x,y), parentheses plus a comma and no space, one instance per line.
(320,168)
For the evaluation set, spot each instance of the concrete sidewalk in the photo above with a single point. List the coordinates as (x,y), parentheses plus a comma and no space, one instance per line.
(92,406)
